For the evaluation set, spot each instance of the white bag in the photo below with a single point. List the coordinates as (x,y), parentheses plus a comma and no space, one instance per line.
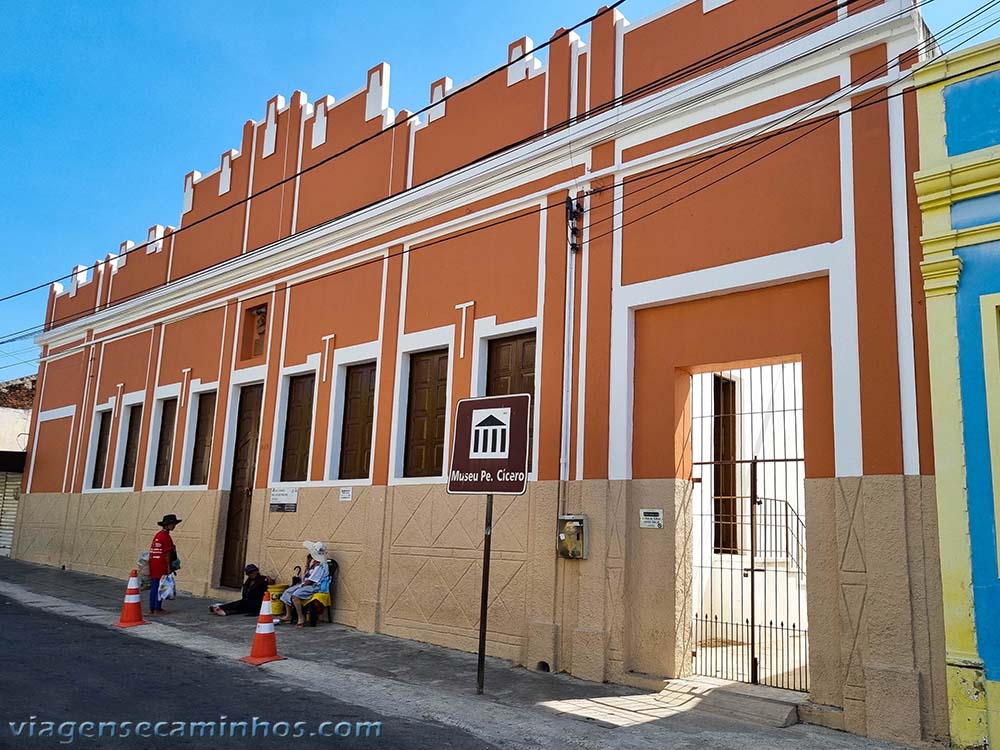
(142,568)
(168,588)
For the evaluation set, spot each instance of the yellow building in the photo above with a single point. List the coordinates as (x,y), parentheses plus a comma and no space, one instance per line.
(959,193)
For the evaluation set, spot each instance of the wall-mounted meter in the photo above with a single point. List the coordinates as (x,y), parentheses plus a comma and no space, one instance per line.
(571,537)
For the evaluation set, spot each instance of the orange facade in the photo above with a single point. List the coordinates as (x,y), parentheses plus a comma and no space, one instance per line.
(629,224)
(735,210)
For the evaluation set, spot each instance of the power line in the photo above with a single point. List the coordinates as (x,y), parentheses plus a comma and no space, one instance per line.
(831,118)
(18,362)
(768,34)
(519,215)
(560,205)
(824,120)
(19,351)
(800,21)
(866,103)
(746,143)
(348,149)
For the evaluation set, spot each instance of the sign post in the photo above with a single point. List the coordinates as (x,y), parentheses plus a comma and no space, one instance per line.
(484,596)
(489,457)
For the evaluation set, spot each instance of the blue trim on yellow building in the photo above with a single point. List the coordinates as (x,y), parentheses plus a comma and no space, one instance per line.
(976,212)
(971,114)
(980,276)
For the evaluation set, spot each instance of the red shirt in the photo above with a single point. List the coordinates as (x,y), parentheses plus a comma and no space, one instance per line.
(159,554)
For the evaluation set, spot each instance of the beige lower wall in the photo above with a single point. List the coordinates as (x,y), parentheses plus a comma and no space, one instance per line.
(40,528)
(658,578)
(875,613)
(104,532)
(352,532)
(410,565)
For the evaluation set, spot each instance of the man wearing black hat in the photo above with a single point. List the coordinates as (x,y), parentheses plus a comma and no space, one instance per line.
(254,588)
(162,557)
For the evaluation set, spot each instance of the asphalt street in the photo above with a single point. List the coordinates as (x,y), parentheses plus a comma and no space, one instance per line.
(58,670)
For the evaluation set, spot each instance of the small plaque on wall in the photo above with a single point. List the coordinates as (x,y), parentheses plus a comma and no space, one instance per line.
(651,518)
(346,494)
(284,499)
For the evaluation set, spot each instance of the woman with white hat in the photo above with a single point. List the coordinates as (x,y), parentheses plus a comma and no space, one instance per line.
(316,575)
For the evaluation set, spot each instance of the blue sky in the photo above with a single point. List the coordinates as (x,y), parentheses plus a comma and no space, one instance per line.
(106,106)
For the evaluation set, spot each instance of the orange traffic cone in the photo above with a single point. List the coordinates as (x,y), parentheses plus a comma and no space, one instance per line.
(131,610)
(265,645)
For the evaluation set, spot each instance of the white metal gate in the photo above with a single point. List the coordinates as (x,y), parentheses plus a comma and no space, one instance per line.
(749,548)
(10,490)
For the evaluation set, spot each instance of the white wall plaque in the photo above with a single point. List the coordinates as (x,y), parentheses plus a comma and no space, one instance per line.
(651,518)
(284,499)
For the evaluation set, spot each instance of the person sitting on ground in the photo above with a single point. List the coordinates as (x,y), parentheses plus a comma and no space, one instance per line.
(316,575)
(254,588)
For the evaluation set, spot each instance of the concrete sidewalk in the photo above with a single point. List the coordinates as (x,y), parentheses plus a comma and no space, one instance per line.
(405,678)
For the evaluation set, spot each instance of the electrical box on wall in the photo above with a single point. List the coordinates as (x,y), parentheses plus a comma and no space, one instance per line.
(571,537)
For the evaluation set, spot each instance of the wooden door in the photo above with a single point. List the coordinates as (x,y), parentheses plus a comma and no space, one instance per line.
(131,447)
(101,454)
(426,411)
(359,417)
(204,431)
(510,368)
(241,486)
(725,496)
(165,443)
(298,428)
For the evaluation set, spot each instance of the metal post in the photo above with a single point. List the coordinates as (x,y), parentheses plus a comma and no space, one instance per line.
(484,598)
(754,674)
